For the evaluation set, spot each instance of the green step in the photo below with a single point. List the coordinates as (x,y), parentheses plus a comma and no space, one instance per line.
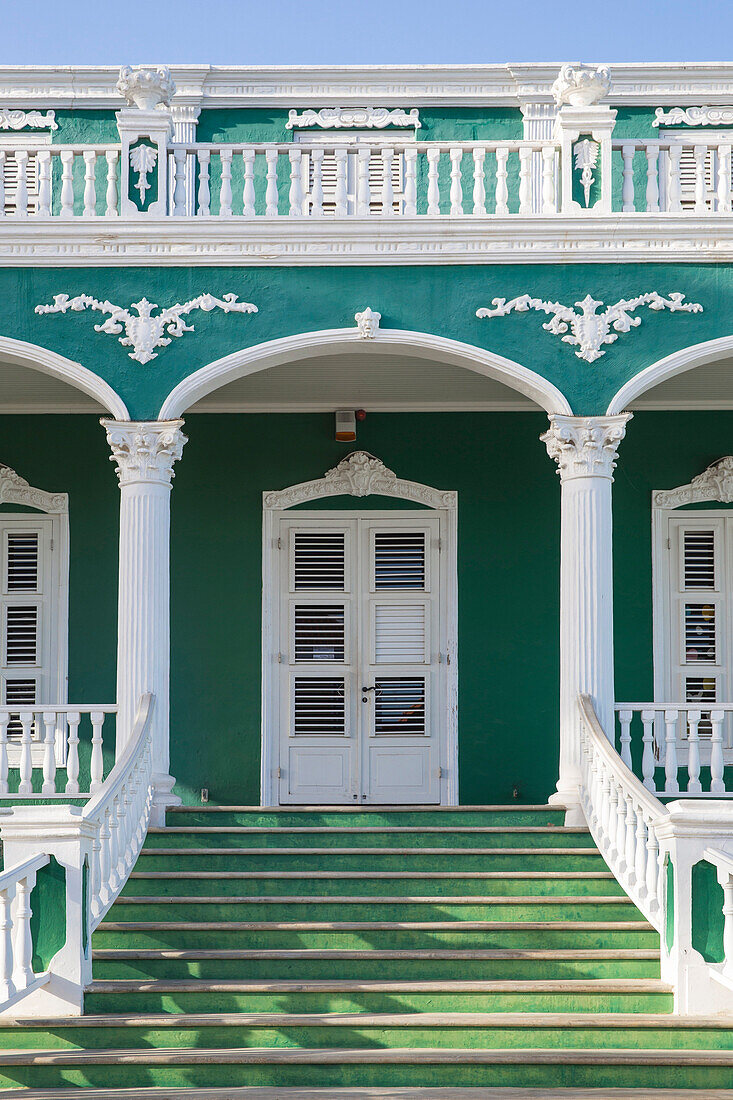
(325,883)
(428,836)
(343,817)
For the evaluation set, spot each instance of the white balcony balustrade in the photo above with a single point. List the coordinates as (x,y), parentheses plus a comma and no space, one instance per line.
(678,747)
(55,750)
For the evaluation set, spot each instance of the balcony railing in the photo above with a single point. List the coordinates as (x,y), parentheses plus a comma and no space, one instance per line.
(678,747)
(372,180)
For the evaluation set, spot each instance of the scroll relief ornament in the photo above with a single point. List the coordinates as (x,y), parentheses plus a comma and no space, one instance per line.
(694,116)
(32,120)
(589,330)
(145,332)
(340,118)
(715,483)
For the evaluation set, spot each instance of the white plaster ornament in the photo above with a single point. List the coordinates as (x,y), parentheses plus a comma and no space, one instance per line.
(147,88)
(145,332)
(586,158)
(694,116)
(32,120)
(589,330)
(581,85)
(367,323)
(143,159)
(713,484)
(340,118)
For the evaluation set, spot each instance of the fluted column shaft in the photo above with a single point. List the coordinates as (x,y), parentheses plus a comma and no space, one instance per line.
(585,451)
(144,453)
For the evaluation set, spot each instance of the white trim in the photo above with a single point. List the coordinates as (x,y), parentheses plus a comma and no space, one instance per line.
(45,361)
(223,406)
(446,502)
(306,345)
(696,355)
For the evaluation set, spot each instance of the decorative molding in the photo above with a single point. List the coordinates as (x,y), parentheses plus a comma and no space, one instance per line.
(143,159)
(589,329)
(144,450)
(581,85)
(714,483)
(368,323)
(145,332)
(586,158)
(14,489)
(694,116)
(360,474)
(354,118)
(146,88)
(33,120)
(585,446)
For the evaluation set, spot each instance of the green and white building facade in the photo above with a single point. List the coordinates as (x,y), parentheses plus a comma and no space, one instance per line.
(411,496)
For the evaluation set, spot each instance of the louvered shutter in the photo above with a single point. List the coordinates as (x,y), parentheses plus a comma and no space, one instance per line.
(328,169)
(10,176)
(688,167)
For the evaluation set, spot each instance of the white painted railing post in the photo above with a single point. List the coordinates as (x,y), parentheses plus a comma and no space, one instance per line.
(145,453)
(647,759)
(585,451)
(717,784)
(49,753)
(624,717)
(671,783)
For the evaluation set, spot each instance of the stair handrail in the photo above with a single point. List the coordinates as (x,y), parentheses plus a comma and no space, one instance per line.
(623,817)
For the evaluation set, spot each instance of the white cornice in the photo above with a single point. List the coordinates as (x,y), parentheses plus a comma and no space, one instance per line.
(301,242)
(377,85)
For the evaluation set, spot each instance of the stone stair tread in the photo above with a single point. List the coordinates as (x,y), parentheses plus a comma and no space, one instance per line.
(566,954)
(379,899)
(361,829)
(340,851)
(381,926)
(328,875)
(374,1055)
(267,1092)
(400,808)
(315,985)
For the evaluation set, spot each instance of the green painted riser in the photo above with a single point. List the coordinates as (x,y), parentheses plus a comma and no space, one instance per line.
(281,838)
(455,1075)
(363,1001)
(384,939)
(269,860)
(367,910)
(375,969)
(138,887)
(288,819)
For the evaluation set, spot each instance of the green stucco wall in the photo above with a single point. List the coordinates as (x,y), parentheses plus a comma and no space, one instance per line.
(434,299)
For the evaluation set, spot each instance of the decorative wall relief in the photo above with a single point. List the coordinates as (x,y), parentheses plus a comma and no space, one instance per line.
(589,330)
(581,85)
(31,120)
(367,323)
(354,118)
(586,158)
(694,116)
(145,332)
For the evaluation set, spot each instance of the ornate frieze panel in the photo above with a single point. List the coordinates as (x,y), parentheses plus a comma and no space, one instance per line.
(715,483)
(145,332)
(354,118)
(694,116)
(14,489)
(589,330)
(31,120)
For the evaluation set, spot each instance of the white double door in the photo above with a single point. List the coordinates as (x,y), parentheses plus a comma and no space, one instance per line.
(360,670)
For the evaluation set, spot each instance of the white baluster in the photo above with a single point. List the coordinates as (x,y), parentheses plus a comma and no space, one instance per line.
(717,786)
(21,188)
(26,763)
(605,804)
(728,926)
(296,183)
(248,193)
(640,855)
(90,184)
(652,864)
(652,178)
(433,181)
(97,762)
(110,199)
(674,188)
(387,185)
(96,877)
(612,832)
(179,186)
(2,183)
(661,888)
(225,189)
(271,193)
(23,954)
(624,718)
(113,877)
(630,851)
(4,723)
(122,834)
(700,155)
(105,894)
(693,752)
(44,183)
(317,184)
(456,187)
(67,184)
(502,191)
(72,760)
(724,174)
(363,196)
(525,180)
(671,783)
(7,985)
(479,181)
(49,752)
(621,830)
(342,195)
(410,156)
(203,206)
(549,198)
(647,759)
(627,190)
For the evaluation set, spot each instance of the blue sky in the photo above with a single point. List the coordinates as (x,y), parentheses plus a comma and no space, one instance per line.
(311,32)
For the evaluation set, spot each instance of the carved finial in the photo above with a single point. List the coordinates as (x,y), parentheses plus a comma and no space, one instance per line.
(367,323)
(581,85)
(147,88)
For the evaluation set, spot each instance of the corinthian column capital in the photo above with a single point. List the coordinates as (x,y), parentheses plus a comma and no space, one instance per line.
(585,446)
(145,450)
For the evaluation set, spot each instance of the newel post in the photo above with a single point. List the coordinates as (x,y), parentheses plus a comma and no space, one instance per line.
(585,451)
(146,128)
(144,453)
(583,129)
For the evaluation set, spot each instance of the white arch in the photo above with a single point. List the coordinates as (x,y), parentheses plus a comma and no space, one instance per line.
(697,355)
(306,345)
(22,353)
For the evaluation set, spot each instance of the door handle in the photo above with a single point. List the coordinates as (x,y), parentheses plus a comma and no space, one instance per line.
(364,691)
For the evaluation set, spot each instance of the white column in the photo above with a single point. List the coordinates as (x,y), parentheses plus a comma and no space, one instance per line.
(145,452)
(585,451)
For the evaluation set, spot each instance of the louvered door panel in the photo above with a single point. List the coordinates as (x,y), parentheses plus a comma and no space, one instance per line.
(400,633)
(10,176)
(328,170)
